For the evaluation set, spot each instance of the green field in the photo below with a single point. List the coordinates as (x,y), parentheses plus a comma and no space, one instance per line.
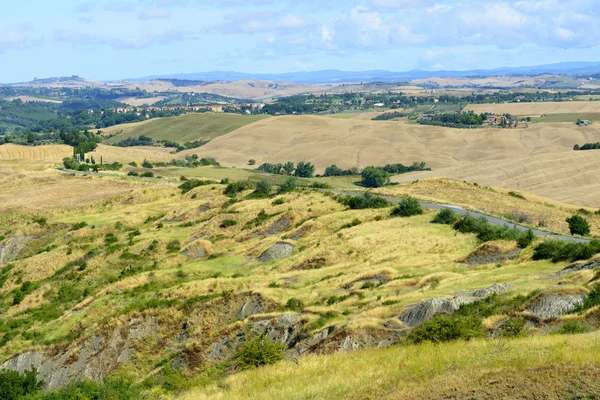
(185,128)
(567,117)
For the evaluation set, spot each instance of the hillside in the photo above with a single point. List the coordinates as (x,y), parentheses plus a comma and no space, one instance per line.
(185,128)
(163,288)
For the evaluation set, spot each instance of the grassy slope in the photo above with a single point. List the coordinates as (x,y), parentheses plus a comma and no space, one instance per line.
(185,128)
(420,259)
(555,367)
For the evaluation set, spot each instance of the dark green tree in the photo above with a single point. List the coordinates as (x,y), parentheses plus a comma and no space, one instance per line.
(578,225)
(305,170)
(374,177)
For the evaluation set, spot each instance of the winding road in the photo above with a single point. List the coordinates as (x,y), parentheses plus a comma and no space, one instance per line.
(456,209)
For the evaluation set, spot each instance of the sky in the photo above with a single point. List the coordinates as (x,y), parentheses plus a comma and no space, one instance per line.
(116,39)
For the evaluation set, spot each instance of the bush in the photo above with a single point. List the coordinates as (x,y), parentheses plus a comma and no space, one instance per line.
(374,177)
(252,162)
(192,184)
(147,174)
(486,231)
(578,225)
(513,327)
(173,246)
(257,352)
(559,250)
(366,200)
(517,195)
(592,299)
(445,216)
(407,208)
(147,164)
(444,328)
(15,386)
(289,185)
(262,188)
(114,388)
(571,327)
(526,239)
(227,223)
(236,187)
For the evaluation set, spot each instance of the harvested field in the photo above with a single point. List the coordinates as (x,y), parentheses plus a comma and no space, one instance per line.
(50,153)
(564,107)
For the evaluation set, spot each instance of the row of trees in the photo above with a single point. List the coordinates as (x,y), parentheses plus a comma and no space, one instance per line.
(587,146)
(302,170)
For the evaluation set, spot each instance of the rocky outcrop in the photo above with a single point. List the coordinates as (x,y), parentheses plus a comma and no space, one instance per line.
(496,288)
(554,306)
(277,251)
(197,250)
(10,248)
(281,225)
(253,306)
(492,253)
(575,267)
(426,310)
(375,280)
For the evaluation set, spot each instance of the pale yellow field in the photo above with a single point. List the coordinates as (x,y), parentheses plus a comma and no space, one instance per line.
(30,99)
(51,153)
(490,81)
(127,154)
(564,107)
(135,102)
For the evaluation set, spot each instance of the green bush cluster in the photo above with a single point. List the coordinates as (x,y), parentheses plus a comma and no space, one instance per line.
(192,184)
(289,185)
(578,225)
(560,250)
(236,187)
(258,352)
(444,328)
(446,216)
(487,231)
(366,200)
(14,386)
(407,208)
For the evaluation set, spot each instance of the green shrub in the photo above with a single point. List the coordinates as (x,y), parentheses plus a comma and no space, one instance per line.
(14,386)
(260,219)
(513,327)
(192,184)
(236,187)
(487,231)
(591,300)
(289,185)
(366,200)
(444,328)
(228,223)
(114,388)
(320,185)
(355,222)
(560,250)
(278,202)
(173,246)
(147,174)
(526,239)
(517,195)
(445,216)
(407,208)
(578,225)
(79,225)
(147,164)
(294,304)
(571,327)
(257,352)
(262,188)
(132,173)
(374,177)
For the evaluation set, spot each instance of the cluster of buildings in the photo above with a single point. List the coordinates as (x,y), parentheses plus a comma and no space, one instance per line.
(213,108)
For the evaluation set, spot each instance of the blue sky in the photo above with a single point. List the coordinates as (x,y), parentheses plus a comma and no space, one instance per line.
(114,39)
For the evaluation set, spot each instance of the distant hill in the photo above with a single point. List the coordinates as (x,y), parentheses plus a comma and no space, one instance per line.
(337,76)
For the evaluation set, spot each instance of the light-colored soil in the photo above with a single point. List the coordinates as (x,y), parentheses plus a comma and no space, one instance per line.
(564,107)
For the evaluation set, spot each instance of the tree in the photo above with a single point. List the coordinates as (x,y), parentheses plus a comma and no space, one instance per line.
(15,386)
(333,170)
(288,168)
(252,162)
(147,164)
(578,225)
(407,208)
(305,170)
(375,177)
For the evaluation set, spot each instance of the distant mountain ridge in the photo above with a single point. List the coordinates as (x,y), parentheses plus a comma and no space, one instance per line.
(338,76)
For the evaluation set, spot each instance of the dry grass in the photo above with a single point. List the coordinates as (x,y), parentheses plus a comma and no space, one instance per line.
(50,153)
(555,366)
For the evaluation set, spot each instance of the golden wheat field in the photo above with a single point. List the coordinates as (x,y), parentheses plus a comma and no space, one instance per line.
(549,107)
(51,153)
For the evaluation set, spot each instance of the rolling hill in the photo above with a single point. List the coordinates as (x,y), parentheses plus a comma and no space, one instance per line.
(181,129)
